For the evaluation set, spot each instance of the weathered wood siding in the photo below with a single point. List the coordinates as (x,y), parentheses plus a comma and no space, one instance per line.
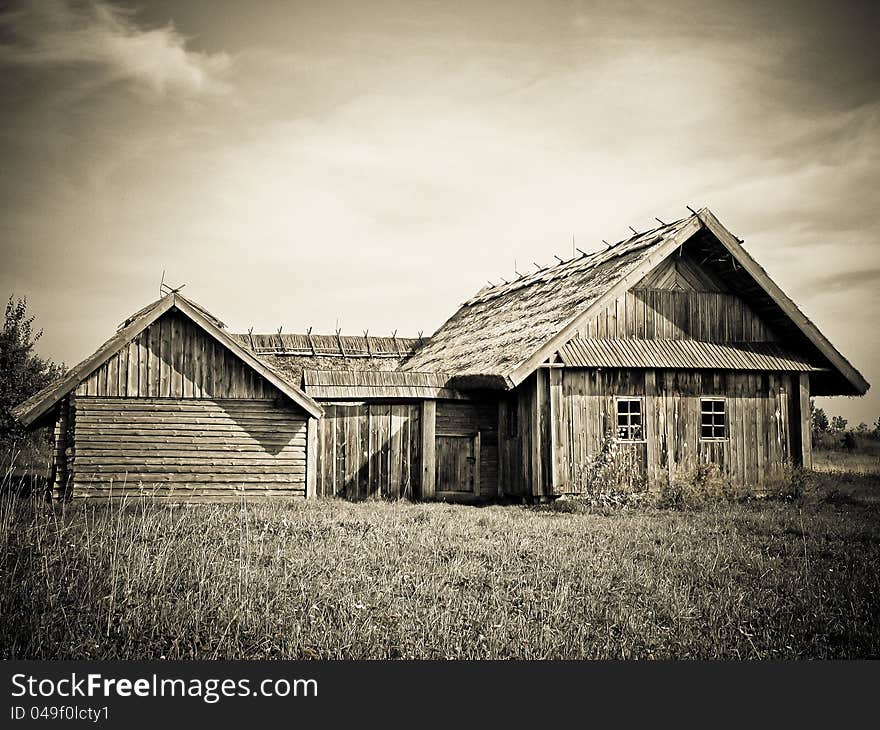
(468,418)
(174,358)
(679,300)
(679,315)
(188,449)
(756,451)
(523,426)
(369,450)
(62,449)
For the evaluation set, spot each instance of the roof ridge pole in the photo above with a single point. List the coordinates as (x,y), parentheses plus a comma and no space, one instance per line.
(280,341)
(251,338)
(311,343)
(396,346)
(339,340)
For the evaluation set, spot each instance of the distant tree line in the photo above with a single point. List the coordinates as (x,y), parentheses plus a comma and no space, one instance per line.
(22,374)
(828,434)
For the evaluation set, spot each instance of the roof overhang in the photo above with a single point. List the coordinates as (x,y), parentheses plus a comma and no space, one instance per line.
(681,355)
(850,381)
(380,385)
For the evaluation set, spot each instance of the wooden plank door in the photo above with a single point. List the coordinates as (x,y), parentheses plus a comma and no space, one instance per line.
(457,458)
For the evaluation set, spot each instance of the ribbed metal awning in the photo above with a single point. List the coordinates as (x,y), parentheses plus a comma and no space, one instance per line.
(682,354)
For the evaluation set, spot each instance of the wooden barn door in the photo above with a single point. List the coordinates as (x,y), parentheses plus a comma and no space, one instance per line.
(458,465)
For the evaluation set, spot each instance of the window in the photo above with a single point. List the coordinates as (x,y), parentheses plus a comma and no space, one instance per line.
(713,419)
(629,419)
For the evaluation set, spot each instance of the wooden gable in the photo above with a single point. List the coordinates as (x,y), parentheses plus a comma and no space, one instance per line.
(164,359)
(174,358)
(679,300)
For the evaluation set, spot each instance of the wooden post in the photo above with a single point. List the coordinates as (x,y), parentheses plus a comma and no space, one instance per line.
(312,458)
(806,445)
(557,447)
(650,426)
(429,425)
(501,427)
(535,428)
(477,464)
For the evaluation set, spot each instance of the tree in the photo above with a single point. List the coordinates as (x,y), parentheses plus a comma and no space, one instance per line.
(862,429)
(849,442)
(820,421)
(838,423)
(22,371)
(877,428)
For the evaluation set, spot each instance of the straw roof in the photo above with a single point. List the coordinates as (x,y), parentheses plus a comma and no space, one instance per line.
(291,354)
(507,331)
(500,327)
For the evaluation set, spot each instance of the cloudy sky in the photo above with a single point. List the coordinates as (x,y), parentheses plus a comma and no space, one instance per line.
(373,164)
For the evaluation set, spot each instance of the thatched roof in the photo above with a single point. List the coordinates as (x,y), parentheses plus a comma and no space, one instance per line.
(291,354)
(346,346)
(507,331)
(335,384)
(499,328)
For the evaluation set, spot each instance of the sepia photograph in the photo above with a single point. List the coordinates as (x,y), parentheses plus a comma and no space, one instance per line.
(436,330)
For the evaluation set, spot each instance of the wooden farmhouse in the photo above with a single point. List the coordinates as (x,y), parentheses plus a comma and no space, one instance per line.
(665,354)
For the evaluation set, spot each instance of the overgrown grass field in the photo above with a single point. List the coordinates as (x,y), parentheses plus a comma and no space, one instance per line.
(751,579)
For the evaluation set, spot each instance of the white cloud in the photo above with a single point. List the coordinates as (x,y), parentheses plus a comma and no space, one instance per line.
(57,33)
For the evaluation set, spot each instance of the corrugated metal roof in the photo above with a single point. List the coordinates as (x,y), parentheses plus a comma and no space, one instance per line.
(683,354)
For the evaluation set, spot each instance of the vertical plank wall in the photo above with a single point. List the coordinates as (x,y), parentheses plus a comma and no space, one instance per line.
(522,426)
(471,418)
(679,300)
(649,314)
(173,358)
(759,412)
(369,450)
(175,414)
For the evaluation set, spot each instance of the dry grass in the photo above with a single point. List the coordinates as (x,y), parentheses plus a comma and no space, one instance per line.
(751,579)
(864,460)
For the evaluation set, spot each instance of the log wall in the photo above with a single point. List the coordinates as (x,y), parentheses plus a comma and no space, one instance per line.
(187,449)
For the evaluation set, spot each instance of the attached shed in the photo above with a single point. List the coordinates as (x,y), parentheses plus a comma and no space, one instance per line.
(174,407)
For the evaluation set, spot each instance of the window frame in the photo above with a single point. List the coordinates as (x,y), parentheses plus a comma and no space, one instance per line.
(630,398)
(713,426)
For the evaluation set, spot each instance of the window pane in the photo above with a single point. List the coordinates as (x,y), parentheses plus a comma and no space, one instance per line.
(706,432)
(629,419)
